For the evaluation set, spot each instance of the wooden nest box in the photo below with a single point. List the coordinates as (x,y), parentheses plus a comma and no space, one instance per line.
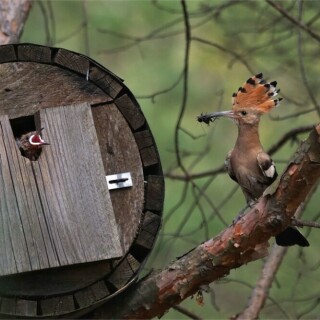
(77,223)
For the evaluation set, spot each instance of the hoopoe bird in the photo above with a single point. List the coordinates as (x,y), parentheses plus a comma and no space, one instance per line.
(247,163)
(30,144)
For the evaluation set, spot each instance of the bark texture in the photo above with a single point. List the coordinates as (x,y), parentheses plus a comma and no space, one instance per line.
(13,15)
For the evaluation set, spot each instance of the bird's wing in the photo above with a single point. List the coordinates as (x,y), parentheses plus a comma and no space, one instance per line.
(267,166)
(228,167)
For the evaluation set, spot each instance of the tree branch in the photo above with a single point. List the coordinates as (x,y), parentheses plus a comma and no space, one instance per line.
(267,276)
(13,15)
(239,244)
(261,290)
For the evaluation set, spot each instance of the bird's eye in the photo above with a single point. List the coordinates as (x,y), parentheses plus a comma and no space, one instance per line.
(243,112)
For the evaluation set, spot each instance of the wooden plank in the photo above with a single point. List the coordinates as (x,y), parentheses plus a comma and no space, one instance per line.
(147,148)
(149,230)
(18,307)
(154,193)
(8,305)
(33,53)
(56,211)
(57,305)
(25,236)
(7,53)
(45,250)
(35,234)
(14,250)
(92,294)
(144,139)
(84,297)
(54,281)
(19,80)
(73,188)
(27,308)
(122,274)
(133,263)
(72,61)
(105,81)
(130,111)
(99,290)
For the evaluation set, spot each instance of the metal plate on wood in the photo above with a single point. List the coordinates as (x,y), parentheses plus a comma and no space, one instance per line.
(119,180)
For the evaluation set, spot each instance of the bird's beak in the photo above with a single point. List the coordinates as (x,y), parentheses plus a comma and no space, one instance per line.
(210,117)
(42,143)
(228,114)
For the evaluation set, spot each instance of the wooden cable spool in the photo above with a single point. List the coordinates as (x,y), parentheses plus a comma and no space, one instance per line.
(70,240)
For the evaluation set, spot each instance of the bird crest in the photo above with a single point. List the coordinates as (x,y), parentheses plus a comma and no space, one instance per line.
(257,94)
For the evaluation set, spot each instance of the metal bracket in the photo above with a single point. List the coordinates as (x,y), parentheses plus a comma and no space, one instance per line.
(119,180)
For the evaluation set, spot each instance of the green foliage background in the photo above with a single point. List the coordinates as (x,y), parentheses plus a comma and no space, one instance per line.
(143,42)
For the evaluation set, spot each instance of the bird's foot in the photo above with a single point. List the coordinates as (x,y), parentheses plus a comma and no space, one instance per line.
(240,215)
(249,205)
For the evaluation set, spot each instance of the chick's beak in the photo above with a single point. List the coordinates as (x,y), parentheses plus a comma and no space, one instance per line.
(42,143)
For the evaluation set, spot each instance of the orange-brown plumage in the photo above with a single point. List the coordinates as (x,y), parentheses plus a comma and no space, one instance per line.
(255,93)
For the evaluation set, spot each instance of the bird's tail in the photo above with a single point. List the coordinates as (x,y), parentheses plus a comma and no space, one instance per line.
(290,237)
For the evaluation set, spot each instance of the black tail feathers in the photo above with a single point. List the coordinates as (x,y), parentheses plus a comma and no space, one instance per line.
(290,237)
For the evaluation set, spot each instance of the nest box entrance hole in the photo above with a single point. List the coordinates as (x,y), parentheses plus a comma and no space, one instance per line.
(23,125)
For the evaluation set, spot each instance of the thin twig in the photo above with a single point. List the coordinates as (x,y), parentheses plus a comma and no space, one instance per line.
(293,20)
(46,22)
(301,223)
(186,312)
(261,290)
(226,50)
(85,26)
(185,84)
(290,135)
(302,66)
(268,273)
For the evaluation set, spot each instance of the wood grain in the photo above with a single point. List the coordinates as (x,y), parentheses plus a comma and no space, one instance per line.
(34,53)
(154,193)
(71,60)
(27,87)
(56,211)
(77,193)
(147,148)
(149,230)
(130,111)
(7,53)
(120,154)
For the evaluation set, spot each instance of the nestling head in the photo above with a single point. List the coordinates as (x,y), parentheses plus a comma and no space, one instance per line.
(32,140)
(36,140)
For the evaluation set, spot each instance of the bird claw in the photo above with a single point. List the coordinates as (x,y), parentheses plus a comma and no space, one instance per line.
(249,205)
(240,215)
